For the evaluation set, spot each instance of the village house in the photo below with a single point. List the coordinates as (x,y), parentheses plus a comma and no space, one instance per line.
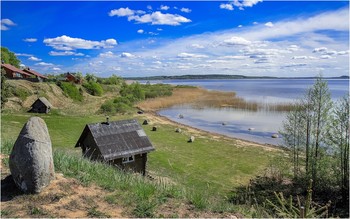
(123,144)
(37,75)
(14,73)
(41,105)
(71,77)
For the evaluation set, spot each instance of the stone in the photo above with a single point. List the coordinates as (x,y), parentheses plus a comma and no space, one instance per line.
(154,128)
(31,160)
(274,136)
(145,122)
(191,139)
(178,130)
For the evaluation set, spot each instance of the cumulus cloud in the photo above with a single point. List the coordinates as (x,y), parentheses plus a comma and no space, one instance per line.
(226,6)
(124,12)
(56,69)
(303,57)
(33,58)
(325,57)
(44,64)
(127,55)
(158,18)
(140,31)
(197,46)
(65,53)
(269,24)
(30,40)
(236,41)
(186,10)
(108,54)
(23,54)
(69,43)
(343,52)
(185,55)
(164,7)
(241,4)
(6,23)
(320,49)
(293,48)
(154,18)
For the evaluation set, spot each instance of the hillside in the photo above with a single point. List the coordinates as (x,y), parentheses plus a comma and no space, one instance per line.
(31,91)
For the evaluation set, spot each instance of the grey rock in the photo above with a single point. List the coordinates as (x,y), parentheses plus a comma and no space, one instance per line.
(191,139)
(178,130)
(31,161)
(274,136)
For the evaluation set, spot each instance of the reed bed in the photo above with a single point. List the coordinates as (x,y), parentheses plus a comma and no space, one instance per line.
(201,98)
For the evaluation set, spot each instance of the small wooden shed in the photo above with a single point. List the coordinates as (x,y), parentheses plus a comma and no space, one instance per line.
(123,144)
(41,105)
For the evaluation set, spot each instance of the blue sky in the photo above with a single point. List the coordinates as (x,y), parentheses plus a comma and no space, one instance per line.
(272,38)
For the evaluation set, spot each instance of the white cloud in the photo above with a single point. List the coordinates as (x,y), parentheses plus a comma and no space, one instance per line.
(241,4)
(140,31)
(226,6)
(239,26)
(149,7)
(185,55)
(326,57)
(269,24)
(127,55)
(23,54)
(56,69)
(108,54)
(303,57)
(124,12)
(68,43)
(30,40)
(343,52)
(320,49)
(65,53)
(164,7)
(197,46)
(236,41)
(159,29)
(233,57)
(33,58)
(6,23)
(44,64)
(293,48)
(186,10)
(158,18)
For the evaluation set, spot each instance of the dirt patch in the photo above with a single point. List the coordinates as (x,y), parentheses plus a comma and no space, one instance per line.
(62,198)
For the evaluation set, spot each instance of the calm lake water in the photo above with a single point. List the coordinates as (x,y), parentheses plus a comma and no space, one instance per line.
(237,122)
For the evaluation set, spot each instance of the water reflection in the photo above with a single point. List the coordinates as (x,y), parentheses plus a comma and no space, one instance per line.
(249,125)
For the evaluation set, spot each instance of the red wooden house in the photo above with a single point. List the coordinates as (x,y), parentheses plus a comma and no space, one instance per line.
(39,76)
(13,72)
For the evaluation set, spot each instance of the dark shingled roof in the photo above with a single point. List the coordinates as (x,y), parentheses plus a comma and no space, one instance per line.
(31,71)
(118,138)
(44,101)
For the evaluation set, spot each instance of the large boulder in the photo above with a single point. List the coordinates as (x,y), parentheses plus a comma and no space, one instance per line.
(31,161)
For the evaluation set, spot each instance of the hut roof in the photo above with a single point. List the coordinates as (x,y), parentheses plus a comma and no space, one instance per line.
(31,71)
(118,138)
(44,101)
(14,69)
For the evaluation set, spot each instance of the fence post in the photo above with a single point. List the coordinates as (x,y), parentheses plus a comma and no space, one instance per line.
(302,212)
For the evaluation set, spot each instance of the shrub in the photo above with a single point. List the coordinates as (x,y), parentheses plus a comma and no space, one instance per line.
(93,88)
(71,90)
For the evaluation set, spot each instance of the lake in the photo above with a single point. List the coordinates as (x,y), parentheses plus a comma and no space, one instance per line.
(236,122)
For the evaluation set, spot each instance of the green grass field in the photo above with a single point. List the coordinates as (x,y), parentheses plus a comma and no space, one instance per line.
(209,167)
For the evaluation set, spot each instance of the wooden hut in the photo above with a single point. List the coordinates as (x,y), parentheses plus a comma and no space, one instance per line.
(35,74)
(14,73)
(41,105)
(123,144)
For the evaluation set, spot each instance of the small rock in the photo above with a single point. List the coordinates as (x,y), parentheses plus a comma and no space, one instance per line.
(145,122)
(274,136)
(191,139)
(140,112)
(178,130)
(31,161)
(224,123)
(181,116)
(251,129)
(154,128)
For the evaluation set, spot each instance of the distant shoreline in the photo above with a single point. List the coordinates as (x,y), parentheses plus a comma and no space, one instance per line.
(221,76)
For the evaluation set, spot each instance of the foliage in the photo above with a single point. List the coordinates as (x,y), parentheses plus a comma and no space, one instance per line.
(9,57)
(112,80)
(5,94)
(71,90)
(90,78)
(93,88)
(285,208)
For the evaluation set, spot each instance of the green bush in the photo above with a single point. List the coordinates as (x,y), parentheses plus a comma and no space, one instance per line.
(93,88)
(71,90)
